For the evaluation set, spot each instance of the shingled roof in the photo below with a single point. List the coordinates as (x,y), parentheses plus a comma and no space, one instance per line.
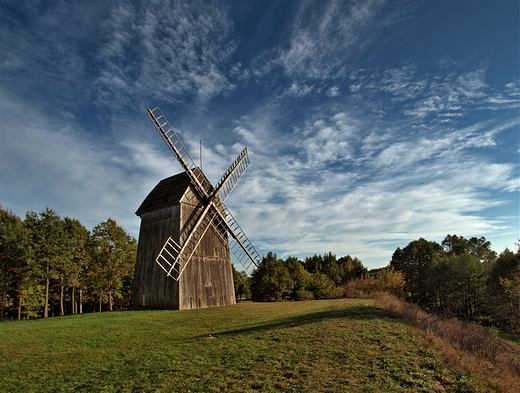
(167,193)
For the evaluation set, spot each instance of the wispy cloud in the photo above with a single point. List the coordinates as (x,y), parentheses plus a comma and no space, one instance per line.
(167,50)
(70,170)
(324,37)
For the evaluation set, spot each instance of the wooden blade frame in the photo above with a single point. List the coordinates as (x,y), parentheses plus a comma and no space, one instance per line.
(230,178)
(173,141)
(173,257)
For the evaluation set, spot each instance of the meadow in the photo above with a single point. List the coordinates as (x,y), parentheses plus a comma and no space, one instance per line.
(344,345)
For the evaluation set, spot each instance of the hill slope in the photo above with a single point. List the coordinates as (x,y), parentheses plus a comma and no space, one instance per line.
(315,346)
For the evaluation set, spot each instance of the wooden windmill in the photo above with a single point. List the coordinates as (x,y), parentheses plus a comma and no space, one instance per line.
(186,234)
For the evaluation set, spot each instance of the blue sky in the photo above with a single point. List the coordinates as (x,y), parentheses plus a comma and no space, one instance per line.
(369,124)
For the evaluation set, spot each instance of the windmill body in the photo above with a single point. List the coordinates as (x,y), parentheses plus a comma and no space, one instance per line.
(186,235)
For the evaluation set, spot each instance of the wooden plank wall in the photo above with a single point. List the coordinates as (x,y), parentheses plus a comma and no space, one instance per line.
(207,279)
(152,287)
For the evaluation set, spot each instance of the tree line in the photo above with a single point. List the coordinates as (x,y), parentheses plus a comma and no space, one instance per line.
(460,278)
(52,265)
(315,277)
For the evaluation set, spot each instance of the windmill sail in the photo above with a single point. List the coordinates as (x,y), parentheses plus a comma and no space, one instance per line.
(174,257)
(179,150)
(230,178)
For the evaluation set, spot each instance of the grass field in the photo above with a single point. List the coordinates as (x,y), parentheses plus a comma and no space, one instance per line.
(314,346)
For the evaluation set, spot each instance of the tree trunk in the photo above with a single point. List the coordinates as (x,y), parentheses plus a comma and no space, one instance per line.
(46,307)
(19,309)
(2,296)
(110,301)
(81,301)
(73,301)
(62,311)
(100,304)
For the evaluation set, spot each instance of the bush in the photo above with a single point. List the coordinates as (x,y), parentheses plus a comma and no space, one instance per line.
(303,294)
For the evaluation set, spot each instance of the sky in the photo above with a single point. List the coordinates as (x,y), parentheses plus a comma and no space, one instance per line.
(369,124)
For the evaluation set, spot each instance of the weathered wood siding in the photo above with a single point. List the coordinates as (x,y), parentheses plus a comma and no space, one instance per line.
(207,279)
(152,288)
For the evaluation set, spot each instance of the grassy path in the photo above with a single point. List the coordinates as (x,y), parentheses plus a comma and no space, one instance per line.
(315,346)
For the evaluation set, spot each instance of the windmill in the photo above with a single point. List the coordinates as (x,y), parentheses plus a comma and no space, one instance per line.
(187,233)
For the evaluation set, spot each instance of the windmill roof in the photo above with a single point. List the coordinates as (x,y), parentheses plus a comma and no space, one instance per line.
(167,193)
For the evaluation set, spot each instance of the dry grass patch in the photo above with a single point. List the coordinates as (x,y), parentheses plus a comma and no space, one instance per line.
(495,358)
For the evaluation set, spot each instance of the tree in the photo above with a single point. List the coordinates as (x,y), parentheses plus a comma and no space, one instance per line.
(271,280)
(241,282)
(113,260)
(13,261)
(313,264)
(478,247)
(48,248)
(391,281)
(322,287)
(415,261)
(504,290)
(78,237)
(459,282)
(301,278)
(350,268)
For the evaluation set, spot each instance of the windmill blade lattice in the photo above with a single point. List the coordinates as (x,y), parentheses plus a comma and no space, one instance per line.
(179,150)
(174,257)
(230,178)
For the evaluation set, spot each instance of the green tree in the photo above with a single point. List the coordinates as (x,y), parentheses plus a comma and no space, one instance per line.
(478,247)
(331,269)
(350,268)
(241,282)
(48,249)
(13,261)
(504,291)
(459,282)
(78,241)
(313,264)
(271,280)
(301,278)
(391,281)
(113,260)
(322,287)
(415,261)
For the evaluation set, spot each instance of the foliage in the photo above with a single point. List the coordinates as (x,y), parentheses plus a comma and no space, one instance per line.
(478,247)
(242,284)
(504,291)
(52,265)
(13,261)
(392,281)
(350,268)
(463,279)
(415,262)
(113,260)
(317,277)
(48,251)
(271,280)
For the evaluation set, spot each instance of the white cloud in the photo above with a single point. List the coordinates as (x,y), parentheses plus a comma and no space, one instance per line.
(324,37)
(165,50)
(333,91)
(298,91)
(51,161)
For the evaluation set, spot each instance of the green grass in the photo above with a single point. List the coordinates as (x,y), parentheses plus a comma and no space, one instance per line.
(315,346)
